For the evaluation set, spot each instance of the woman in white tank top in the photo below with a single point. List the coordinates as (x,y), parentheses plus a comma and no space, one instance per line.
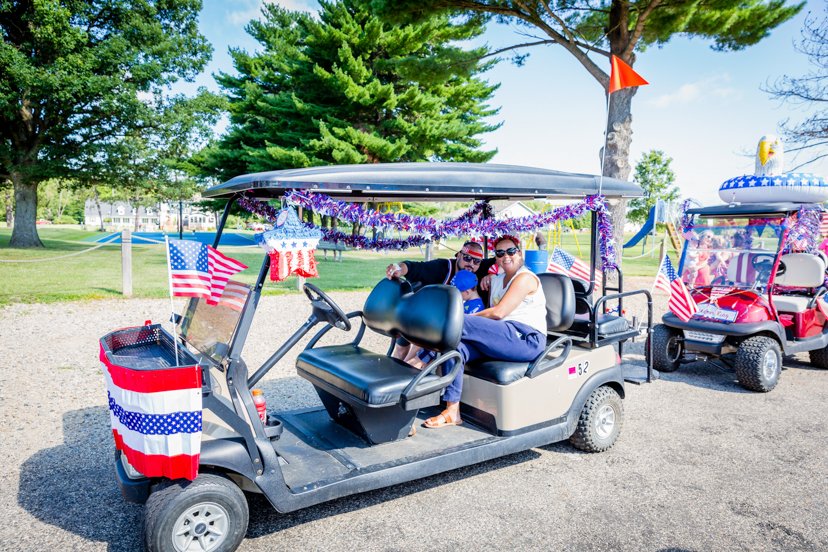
(512,328)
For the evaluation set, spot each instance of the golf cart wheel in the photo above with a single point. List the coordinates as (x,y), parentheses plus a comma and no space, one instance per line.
(208,514)
(819,358)
(667,349)
(600,421)
(758,364)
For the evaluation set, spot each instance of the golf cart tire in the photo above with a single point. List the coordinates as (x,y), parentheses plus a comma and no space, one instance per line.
(172,499)
(587,436)
(662,335)
(819,358)
(750,360)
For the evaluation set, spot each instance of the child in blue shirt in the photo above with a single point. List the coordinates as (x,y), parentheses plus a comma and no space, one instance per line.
(466,282)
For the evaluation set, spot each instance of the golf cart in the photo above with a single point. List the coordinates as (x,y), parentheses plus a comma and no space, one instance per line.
(756,298)
(358,439)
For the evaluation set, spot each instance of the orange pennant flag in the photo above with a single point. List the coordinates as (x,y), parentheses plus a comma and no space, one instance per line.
(623,76)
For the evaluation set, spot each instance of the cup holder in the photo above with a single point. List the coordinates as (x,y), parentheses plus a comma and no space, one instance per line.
(273,427)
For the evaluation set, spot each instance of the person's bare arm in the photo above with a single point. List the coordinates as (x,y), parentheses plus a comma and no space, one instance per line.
(396,270)
(486,281)
(524,284)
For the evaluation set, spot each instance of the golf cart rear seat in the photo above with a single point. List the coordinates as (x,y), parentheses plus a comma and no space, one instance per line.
(802,270)
(377,396)
(607,324)
(560,310)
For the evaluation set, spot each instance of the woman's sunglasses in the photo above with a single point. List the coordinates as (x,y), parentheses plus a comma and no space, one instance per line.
(512,251)
(472,260)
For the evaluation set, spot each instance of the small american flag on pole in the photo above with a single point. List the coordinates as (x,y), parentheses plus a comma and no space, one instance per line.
(563,262)
(823,225)
(198,270)
(681,303)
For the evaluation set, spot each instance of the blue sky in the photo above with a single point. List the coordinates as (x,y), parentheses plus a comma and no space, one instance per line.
(703,108)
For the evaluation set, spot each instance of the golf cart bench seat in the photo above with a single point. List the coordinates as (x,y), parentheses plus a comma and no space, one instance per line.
(375,395)
(374,379)
(608,324)
(560,312)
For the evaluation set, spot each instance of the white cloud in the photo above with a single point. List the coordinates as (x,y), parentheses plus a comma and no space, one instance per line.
(252,9)
(712,87)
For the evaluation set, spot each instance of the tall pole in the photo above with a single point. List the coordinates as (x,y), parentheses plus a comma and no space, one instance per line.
(604,149)
(180,220)
(172,302)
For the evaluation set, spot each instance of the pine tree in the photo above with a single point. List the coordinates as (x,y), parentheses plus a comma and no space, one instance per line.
(346,89)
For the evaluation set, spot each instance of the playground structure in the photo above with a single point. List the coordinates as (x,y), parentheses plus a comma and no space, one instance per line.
(663,212)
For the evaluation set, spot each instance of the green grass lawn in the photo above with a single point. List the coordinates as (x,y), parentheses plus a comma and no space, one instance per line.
(97,274)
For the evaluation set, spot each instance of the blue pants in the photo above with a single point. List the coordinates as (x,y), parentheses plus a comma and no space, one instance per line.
(493,339)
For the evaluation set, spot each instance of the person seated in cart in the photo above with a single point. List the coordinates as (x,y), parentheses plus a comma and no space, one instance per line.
(438,271)
(513,328)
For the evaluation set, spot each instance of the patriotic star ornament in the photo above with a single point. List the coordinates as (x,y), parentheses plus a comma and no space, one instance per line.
(290,246)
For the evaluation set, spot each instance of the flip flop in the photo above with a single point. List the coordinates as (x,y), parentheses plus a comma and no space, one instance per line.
(434,422)
(413,431)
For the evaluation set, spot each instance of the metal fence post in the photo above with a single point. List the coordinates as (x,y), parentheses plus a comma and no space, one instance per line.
(126,261)
(429,251)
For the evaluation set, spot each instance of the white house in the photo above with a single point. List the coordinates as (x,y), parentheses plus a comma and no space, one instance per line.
(121,214)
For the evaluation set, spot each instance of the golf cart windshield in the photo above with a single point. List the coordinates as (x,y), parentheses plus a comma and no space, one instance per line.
(210,328)
(731,252)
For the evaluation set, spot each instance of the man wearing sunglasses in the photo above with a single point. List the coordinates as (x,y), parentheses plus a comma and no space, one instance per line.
(440,271)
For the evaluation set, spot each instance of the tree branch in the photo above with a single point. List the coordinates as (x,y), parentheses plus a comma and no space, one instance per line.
(639,29)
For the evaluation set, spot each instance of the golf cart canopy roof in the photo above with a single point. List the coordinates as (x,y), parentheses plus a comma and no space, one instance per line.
(746,210)
(393,182)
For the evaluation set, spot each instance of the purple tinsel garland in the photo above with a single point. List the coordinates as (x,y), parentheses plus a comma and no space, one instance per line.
(426,229)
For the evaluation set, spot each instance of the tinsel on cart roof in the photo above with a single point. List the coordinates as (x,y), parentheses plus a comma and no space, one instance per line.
(392,182)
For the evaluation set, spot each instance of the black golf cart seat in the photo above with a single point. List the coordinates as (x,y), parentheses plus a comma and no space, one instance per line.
(378,396)
(560,312)
(606,324)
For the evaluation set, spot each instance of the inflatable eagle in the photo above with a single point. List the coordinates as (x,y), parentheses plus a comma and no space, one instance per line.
(770,156)
(770,183)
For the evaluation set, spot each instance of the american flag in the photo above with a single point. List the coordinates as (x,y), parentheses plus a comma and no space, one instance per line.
(156,419)
(198,270)
(681,303)
(823,225)
(563,262)
(234,295)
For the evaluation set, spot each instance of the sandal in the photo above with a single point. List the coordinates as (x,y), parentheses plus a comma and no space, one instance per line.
(413,431)
(435,421)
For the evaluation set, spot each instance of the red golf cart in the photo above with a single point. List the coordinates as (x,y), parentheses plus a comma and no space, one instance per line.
(758,290)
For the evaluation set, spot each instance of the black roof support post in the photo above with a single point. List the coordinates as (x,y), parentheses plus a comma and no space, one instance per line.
(220,228)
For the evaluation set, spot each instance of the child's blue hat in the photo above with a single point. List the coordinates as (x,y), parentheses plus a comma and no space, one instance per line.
(464,280)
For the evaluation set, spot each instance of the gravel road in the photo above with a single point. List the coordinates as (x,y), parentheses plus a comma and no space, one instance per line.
(701,464)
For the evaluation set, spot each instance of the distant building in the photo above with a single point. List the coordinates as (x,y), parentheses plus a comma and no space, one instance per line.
(163,216)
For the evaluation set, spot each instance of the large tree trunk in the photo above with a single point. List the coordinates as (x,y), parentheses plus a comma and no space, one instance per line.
(98,205)
(616,158)
(24,233)
(9,210)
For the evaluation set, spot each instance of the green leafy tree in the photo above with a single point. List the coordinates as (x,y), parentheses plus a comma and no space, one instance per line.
(593,30)
(76,76)
(346,88)
(656,178)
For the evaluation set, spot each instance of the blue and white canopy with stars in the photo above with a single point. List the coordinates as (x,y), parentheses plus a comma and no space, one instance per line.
(793,179)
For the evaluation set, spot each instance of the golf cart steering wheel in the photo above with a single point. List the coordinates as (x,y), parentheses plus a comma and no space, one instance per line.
(325,309)
(762,263)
